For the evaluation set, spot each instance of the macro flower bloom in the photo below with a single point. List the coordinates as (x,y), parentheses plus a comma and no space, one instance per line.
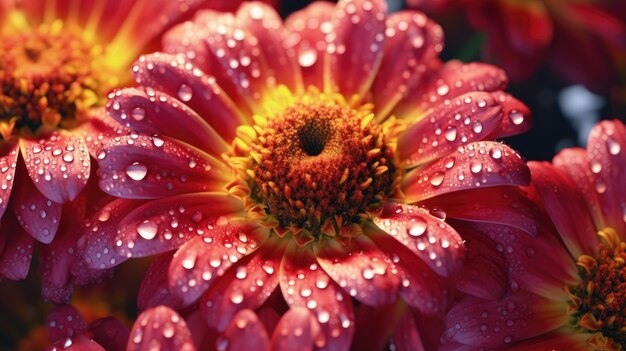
(579,40)
(57,62)
(299,156)
(567,288)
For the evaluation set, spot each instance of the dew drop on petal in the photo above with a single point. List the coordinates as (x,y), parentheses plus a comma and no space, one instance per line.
(68,157)
(478,127)
(185,93)
(596,167)
(613,146)
(138,113)
(600,186)
(236,297)
(101,154)
(496,153)
(137,171)
(168,330)
(516,117)
(307,58)
(147,229)
(436,179)
(450,134)
(476,167)
(418,227)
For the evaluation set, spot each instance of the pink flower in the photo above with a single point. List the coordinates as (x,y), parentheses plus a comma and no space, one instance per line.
(57,62)
(567,285)
(298,158)
(579,40)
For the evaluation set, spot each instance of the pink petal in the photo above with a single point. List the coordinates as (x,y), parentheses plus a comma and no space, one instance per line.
(431,239)
(412,41)
(355,48)
(165,224)
(244,332)
(360,268)
(177,76)
(99,231)
(110,333)
(65,322)
(154,289)
(449,81)
(561,339)
(307,29)
(304,284)
(479,164)
(504,205)
(8,163)
(38,215)
(606,150)
(160,327)
(262,21)
(200,262)
(420,287)
(375,325)
(566,209)
(78,343)
(500,323)
(484,273)
(406,336)
(448,126)
(297,330)
(17,249)
(98,129)
(149,112)
(143,167)
(246,285)
(516,116)
(59,165)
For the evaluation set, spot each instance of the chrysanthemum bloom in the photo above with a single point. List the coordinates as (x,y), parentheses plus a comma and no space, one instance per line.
(293,155)
(57,62)
(578,40)
(568,287)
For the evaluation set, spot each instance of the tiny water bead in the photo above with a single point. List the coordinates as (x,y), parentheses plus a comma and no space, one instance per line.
(50,78)
(597,303)
(317,167)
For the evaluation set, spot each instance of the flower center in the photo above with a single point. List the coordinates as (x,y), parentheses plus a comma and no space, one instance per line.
(317,167)
(49,79)
(599,302)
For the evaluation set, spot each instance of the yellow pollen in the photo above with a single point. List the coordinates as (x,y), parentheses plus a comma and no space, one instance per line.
(598,303)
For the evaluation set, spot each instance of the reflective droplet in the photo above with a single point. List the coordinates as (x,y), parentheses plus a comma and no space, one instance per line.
(476,167)
(185,93)
(516,117)
(307,58)
(236,297)
(478,127)
(138,113)
(147,229)
(137,171)
(68,157)
(418,227)
(496,153)
(437,178)
(613,146)
(443,90)
(596,167)
(600,186)
(450,134)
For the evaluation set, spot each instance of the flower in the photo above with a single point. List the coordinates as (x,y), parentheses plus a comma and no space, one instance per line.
(579,40)
(566,285)
(300,156)
(57,62)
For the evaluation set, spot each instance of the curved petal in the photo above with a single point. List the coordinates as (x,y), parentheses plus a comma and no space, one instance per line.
(480,164)
(59,165)
(304,284)
(8,163)
(17,249)
(98,129)
(465,119)
(149,112)
(406,335)
(246,285)
(355,46)
(420,286)
(163,327)
(202,260)
(111,333)
(412,41)
(77,343)
(297,330)
(244,332)
(504,205)
(143,167)
(566,209)
(38,215)
(519,316)
(177,76)
(431,239)
(516,116)
(307,29)
(561,339)
(360,268)
(164,224)
(606,151)
(98,241)
(64,321)
(154,289)
(262,21)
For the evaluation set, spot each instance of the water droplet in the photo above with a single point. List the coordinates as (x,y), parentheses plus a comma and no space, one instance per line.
(368,273)
(418,227)
(323,316)
(307,58)
(438,213)
(613,146)
(596,167)
(101,154)
(241,273)
(478,127)
(236,297)
(450,134)
(68,157)
(437,178)
(516,117)
(137,171)
(168,330)
(36,148)
(496,153)
(188,263)
(476,167)
(600,186)
(147,229)
(185,93)
(158,142)
(268,267)
(443,90)
(138,113)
